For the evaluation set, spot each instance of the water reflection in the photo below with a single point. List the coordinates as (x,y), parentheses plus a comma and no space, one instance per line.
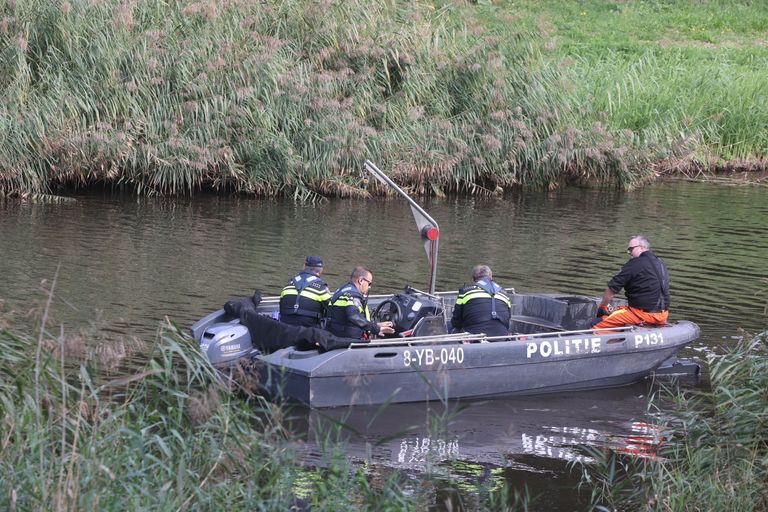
(517,439)
(414,436)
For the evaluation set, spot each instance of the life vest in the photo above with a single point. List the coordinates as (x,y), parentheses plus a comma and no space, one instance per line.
(485,289)
(311,289)
(345,296)
(339,324)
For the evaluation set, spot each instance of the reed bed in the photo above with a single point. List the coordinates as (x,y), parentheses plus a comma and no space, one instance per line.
(288,98)
(82,430)
(161,439)
(717,458)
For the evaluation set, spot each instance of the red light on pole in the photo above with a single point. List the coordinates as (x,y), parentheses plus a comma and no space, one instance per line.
(430,233)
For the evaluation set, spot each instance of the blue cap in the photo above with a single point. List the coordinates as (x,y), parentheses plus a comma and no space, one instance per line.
(313,261)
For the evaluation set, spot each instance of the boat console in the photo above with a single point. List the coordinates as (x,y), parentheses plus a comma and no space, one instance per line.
(412,313)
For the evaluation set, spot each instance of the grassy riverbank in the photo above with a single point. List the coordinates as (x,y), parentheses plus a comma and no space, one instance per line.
(658,68)
(290,97)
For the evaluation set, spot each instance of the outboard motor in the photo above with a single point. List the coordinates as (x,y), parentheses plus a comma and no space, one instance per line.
(405,310)
(227,342)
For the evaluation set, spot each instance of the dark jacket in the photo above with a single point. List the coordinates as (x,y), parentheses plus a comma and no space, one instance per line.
(303,300)
(483,307)
(645,280)
(348,314)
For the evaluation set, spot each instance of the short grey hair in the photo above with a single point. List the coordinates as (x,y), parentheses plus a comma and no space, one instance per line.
(359,272)
(480,271)
(642,241)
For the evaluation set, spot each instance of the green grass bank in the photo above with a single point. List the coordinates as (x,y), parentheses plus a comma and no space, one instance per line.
(660,67)
(288,98)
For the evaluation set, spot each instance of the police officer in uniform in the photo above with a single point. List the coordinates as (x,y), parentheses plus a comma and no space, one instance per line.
(304,299)
(349,316)
(482,307)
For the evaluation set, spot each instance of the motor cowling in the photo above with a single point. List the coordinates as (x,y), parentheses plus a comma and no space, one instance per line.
(227,343)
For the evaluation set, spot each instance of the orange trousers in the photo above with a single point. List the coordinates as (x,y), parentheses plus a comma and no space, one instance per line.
(626,315)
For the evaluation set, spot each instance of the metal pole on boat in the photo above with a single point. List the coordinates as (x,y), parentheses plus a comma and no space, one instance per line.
(428,228)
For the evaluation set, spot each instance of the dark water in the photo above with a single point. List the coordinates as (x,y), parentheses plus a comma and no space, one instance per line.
(132,262)
(139,260)
(482,443)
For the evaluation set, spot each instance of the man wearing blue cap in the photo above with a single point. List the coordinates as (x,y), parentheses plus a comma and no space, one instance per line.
(304,299)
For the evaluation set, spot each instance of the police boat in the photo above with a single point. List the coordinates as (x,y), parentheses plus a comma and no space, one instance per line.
(551,347)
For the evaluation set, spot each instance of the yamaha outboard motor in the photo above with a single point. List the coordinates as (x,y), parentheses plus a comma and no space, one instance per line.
(224,342)
(405,310)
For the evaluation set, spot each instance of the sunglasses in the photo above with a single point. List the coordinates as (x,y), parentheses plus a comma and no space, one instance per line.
(632,247)
(370,283)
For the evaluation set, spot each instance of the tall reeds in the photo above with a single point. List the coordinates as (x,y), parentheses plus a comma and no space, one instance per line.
(717,456)
(661,96)
(290,97)
(82,430)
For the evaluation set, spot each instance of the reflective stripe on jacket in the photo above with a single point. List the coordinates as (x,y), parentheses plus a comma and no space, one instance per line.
(303,301)
(483,307)
(349,314)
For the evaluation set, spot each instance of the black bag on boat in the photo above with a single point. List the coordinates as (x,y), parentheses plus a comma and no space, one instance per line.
(236,306)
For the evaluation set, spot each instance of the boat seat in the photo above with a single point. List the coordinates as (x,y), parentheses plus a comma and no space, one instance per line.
(521,324)
(428,326)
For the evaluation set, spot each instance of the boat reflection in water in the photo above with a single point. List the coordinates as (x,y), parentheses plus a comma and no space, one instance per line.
(464,447)
(513,432)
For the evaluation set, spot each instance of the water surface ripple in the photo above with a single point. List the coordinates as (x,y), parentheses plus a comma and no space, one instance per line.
(138,260)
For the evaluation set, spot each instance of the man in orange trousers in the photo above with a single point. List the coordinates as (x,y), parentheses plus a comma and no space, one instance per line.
(645,280)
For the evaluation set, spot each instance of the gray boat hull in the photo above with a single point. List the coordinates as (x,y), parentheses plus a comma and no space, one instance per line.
(432,371)
(550,351)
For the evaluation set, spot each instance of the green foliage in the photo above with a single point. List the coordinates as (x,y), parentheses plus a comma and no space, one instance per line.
(719,460)
(290,97)
(166,436)
(83,432)
(669,71)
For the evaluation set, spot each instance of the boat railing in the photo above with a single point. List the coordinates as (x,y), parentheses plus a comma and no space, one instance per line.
(437,338)
(268,305)
(271,302)
(482,338)
(274,299)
